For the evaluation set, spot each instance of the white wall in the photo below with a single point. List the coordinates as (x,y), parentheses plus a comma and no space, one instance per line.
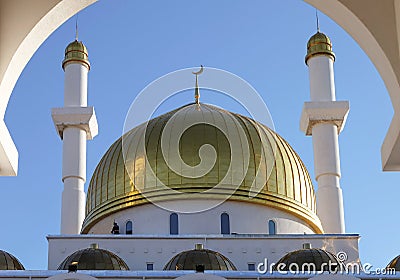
(244,218)
(137,250)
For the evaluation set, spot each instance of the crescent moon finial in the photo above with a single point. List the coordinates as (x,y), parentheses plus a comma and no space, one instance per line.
(200,71)
(196,89)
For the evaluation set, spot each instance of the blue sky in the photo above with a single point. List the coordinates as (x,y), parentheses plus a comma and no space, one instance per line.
(131,43)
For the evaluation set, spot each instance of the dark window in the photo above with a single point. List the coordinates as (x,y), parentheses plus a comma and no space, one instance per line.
(271,227)
(251,266)
(150,266)
(173,224)
(129,227)
(225,227)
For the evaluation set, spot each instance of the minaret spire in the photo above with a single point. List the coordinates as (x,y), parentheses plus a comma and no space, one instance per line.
(197,90)
(75,123)
(76,28)
(324,119)
(316,16)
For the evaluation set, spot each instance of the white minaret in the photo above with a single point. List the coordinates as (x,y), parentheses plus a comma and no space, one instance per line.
(75,123)
(324,118)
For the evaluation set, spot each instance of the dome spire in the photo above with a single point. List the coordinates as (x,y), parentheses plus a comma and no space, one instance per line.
(76,52)
(197,90)
(76,28)
(319,43)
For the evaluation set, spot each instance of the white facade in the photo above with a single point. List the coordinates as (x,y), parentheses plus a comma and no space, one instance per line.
(138,250)
(244,218)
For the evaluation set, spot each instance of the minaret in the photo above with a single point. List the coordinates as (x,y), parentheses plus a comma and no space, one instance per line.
(324,119)
(75,123)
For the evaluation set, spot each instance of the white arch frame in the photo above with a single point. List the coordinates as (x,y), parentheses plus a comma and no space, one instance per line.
(45,21)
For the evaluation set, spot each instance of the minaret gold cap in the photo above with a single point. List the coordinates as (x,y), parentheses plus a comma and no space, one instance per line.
(76,52)
(319,44)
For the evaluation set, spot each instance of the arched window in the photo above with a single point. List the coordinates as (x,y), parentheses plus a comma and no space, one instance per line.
(271,227)
(225,226)
(129,227)
(173,224)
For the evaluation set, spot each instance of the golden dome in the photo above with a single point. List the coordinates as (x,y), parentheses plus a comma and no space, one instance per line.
(394,264)
(319,44)
(9,262)
(288,188)
(211,260)
(76,52)
(94,259)
(320,258)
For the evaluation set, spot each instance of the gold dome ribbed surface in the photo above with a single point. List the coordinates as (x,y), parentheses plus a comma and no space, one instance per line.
(76,52)
(288,188)
(188,260)
(94,259)
(9,262)
(394,264)
(319,44)
(321,259)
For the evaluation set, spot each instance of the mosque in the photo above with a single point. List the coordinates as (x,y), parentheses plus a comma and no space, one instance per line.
(125,226)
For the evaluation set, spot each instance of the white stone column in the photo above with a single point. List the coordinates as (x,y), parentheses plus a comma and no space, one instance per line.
(75,123)
(324,118)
